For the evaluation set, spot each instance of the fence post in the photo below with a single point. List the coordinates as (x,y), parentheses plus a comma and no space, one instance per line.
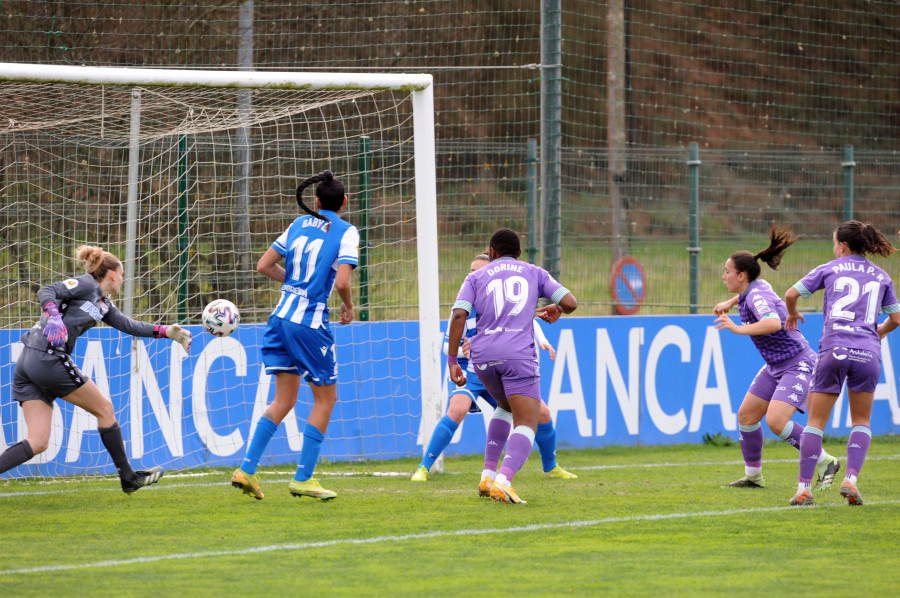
(848,165)
(183,234)
(365,167)
(551,133)
(694,249)
(531,186)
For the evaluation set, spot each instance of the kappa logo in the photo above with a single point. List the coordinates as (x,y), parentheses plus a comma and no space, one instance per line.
(794,398)
(838,357)
(802,377)
(803,366)
(816,457)
(854,445)
(493,443)
(798,387)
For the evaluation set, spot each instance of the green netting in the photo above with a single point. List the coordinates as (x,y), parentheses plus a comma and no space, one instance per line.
(771,92)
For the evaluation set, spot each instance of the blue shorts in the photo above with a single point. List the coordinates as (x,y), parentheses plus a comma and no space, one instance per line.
(858,367)
(473,389)
(301,350)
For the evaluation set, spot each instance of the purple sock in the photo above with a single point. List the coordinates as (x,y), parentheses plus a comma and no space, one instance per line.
(751,445)
(497,433)
(857,447)
(791,434)
(517,451)
(810,449)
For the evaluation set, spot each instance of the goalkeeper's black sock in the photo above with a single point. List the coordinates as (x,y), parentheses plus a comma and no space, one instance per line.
(15,455)
(112,440)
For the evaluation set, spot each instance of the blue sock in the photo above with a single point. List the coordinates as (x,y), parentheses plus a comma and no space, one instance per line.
(440,439)
(265,428)
(309,455)
(546,441)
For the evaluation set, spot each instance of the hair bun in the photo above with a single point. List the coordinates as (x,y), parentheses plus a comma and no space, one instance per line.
(327,175)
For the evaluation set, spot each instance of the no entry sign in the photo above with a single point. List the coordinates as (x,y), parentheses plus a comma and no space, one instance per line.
(626,284)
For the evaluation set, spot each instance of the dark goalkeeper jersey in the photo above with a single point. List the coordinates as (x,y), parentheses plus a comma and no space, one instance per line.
(82,305)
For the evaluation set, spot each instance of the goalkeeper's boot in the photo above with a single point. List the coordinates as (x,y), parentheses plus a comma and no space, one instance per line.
(311,488)
(421,475)
(826,471)
(560,474)
(247,483)
(141,478)
(484,486)
(803,499)
(506,494)
(748,481)
(849,491)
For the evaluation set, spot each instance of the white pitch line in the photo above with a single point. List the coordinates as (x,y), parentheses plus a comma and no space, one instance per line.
(410,537)
(277,476)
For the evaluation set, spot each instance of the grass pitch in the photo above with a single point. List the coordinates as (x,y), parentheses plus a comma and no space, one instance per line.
(638,521)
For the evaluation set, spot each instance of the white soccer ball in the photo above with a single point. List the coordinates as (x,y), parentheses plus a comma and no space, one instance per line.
(221,317)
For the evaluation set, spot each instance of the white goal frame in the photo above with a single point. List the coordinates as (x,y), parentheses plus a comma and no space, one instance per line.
(419,85)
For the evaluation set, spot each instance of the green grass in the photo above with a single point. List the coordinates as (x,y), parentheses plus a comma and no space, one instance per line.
(627,525)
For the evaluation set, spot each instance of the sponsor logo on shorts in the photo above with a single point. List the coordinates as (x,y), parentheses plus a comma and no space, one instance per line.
(482,367)
(803,366)
(794,398)
(781,388)
(838,357)
(798,387)
(802,377)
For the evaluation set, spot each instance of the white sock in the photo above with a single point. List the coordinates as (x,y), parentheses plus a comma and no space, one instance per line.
(487,473)
(752,471)
(822,456)
(501,479)
(850,478)
(804,486)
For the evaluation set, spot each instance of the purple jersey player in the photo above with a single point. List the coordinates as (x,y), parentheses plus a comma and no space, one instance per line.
(504,296)
(850,349)
(779,389)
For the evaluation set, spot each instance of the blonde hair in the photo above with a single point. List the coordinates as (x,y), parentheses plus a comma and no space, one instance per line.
(96,261)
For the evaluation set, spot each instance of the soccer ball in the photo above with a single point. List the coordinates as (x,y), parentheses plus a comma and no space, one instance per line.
(221,317)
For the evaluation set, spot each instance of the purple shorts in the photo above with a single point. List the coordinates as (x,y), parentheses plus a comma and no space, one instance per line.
(859,367)
(787,381)
(510,377)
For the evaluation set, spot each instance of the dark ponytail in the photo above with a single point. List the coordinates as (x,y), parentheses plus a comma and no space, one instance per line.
(330,193)
(779,240)
(863,238)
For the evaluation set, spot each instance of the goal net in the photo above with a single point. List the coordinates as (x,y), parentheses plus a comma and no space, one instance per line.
(188,177)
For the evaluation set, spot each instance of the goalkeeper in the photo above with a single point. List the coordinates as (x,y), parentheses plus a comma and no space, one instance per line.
(45,369)
(463,401)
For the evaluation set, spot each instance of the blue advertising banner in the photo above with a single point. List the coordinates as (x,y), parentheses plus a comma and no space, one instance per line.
(615,380)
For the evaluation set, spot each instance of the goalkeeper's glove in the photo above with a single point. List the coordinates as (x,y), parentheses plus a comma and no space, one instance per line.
(176,333)
(55,329)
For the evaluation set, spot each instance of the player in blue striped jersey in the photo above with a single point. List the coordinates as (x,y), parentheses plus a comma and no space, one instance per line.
(463,400)
(320,251)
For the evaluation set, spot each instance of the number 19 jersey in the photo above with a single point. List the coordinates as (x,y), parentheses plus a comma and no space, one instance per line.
(504,295)
(312,250)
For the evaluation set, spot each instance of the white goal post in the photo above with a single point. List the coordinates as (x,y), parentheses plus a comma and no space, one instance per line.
(419,86)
